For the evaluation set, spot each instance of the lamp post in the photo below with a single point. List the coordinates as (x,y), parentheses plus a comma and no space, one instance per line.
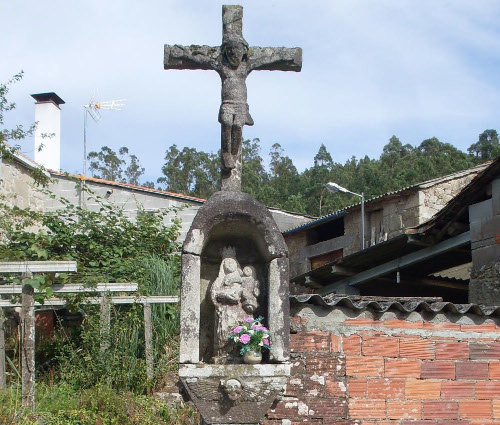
(335,188)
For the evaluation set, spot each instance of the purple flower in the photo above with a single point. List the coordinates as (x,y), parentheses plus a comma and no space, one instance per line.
(245,339)
(248,319)
(237,329)
(266,342)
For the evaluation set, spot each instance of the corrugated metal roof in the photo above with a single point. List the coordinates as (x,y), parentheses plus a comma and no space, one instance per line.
(423,185)
(383,304)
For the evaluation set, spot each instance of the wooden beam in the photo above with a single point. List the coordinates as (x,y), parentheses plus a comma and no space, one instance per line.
(37,266)
(125,299)
(75,288)
(400,263)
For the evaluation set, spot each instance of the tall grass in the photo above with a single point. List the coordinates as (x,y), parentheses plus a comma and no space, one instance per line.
(162,277)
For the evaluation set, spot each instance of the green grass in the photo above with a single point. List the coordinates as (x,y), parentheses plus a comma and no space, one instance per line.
(61,404)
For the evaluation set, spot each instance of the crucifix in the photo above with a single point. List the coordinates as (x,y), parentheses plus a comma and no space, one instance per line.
(233,61)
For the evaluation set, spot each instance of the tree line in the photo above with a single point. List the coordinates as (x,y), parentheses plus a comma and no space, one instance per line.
(279,184)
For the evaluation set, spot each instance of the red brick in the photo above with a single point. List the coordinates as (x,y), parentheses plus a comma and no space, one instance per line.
(411,422)
(326,407)
(380,346)
(495,370)
(305,342)
(441,326)
(440,409)
(496,409)
(357,387)
(420,349)
(361,322)
(479,351)
(483,327)
(402,368)
(404,409)
(475,409)
(335,387)
(484,422)
(457,390)
(422,389)
(325,363)
(437,370)
(365,366)
(403,324)
(335,343)
(488,390)
(366,409)
(471,370)
(452,351)
(351,344)
(386,388)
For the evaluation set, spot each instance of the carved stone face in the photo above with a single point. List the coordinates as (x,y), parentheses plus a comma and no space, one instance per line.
(230,265)
(232,389)
(235,50)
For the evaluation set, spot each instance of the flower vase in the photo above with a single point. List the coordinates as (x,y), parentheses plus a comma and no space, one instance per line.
(252,357)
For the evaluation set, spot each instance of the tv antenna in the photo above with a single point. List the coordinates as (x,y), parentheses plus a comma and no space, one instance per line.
(93,108)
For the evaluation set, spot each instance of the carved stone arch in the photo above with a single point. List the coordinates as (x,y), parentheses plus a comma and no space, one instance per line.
(236,219)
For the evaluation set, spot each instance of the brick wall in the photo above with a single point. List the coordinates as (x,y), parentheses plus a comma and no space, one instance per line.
(391,371)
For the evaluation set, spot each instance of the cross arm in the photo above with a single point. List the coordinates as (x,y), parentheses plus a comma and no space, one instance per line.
(275,58)
(190,57)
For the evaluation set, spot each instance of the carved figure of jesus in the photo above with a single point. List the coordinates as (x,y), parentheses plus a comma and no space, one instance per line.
(233,61)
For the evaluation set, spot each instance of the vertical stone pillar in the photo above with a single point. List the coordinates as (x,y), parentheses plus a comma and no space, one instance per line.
(105,322)
(189,351)
(279,310)
(3,377)
(28,345)
(148,336)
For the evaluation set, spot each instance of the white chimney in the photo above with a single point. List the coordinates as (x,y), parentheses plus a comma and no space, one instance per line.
(48,117)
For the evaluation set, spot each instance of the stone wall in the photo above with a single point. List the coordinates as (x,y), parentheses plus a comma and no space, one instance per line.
(17,185)
(124,197)
(407,209)
(364,368)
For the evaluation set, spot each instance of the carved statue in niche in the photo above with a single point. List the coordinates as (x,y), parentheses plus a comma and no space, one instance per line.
(234,294)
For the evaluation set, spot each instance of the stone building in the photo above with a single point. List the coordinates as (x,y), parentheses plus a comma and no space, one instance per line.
(130,197)
(17,182)
(336,235)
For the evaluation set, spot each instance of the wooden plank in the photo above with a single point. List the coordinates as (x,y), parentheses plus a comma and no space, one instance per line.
(3,376)
(28,345)
(37,266)
(75,288)
(399,263)
(59,302)
(148,336)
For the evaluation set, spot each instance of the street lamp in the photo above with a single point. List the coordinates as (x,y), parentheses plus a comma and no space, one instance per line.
(335,188)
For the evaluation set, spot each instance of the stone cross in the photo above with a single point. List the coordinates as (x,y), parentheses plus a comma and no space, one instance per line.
(233,61)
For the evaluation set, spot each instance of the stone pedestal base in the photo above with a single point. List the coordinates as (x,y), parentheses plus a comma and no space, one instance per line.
(233,394)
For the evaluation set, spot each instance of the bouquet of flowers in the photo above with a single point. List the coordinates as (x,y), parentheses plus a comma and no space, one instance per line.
(250,335)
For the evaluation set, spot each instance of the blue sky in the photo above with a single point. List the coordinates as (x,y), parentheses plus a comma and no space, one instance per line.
(371,69)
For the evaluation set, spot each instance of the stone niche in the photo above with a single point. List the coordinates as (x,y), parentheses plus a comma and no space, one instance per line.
(233,238)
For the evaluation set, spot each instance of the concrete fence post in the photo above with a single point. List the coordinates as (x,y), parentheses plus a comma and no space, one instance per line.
(28,344)
(148,335)
(105,322)
(3,376)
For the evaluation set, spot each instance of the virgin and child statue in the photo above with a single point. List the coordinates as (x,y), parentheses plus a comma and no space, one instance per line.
(235,296)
